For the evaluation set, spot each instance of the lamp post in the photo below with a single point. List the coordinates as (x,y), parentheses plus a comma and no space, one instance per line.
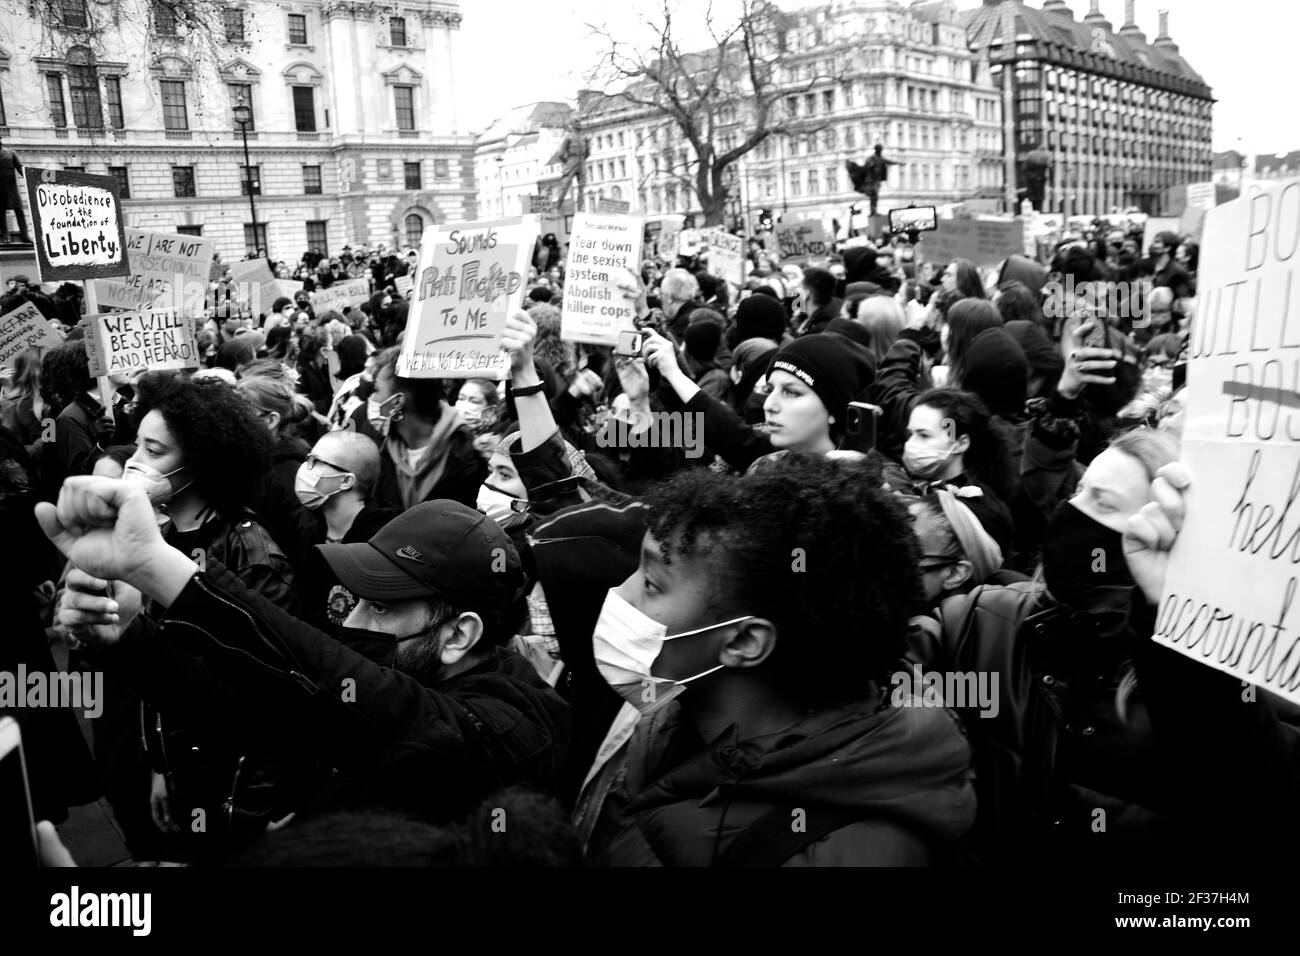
(243,116)
(501,182)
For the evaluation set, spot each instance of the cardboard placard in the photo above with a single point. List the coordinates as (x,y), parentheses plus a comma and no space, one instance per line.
(1154,226)
(167,269)
(600,248)
(340,295)
(404,285)
(266,294)
(984,242)
(1230,596)
(471,277)
(148,340)
(613,207)
(540,206)
(1200,200)
(78,222)
(726,254)
(23,328)
(801,241)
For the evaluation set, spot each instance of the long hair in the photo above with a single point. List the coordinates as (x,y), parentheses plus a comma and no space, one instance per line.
(883,319)
(988,453)
(966,320)
(969,283)
(26,382)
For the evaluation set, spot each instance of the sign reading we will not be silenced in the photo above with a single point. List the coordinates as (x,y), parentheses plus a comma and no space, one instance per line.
(471,277)
(130,341)
(23,328)
(166,269)
(1232,595)
(802,240)
(601,250)
(78,223)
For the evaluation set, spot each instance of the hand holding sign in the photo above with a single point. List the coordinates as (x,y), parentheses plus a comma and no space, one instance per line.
(1151,532)
(517,338)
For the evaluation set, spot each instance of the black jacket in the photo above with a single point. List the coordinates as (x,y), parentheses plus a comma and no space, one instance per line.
(275,501)
(324,601)
(393,742)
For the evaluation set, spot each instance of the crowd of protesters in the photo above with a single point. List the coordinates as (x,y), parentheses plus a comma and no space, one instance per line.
(346,615)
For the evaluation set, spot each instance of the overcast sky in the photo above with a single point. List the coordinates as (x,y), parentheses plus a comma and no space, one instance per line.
(1245,49)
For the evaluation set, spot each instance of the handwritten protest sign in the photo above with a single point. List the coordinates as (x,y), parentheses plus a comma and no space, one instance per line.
(268,293)
(131,341)
(341,295)
(471,277)
(78,222)
(984,242)
(541,205)
(726,255)
(689,242)
(600,249)
(1201,199)
(24,328)
(404,286)
(166,269)
(1230,597)
(613,207)
(800,241)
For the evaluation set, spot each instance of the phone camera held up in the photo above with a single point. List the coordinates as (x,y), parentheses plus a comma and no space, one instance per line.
(630,344)
(860,427)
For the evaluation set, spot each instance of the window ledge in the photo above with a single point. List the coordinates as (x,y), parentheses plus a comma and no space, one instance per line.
(300,46)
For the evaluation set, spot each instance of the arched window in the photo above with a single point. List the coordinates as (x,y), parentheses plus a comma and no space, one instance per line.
(83,83)
(414,230)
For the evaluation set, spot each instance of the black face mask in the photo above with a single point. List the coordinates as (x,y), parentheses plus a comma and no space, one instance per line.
(378,648)
(1083,562)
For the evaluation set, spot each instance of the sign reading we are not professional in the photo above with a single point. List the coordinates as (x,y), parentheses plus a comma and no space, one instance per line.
(78,223)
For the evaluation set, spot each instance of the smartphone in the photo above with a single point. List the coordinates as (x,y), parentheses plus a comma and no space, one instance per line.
(1097,337)
(18,847)
(860,429)
(630,344)
(914,219)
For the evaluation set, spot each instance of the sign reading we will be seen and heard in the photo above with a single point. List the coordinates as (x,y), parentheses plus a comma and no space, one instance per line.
(1232,594)
(135,341)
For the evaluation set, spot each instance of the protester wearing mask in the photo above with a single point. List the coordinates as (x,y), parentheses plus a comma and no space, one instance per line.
(445,717)
(81,424)
(477,399)
(756,690)
(427,451)
(334,485)
(200,452)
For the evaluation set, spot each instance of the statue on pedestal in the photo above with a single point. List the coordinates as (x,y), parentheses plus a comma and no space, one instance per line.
(11,168)
(867,178)
(1035,171)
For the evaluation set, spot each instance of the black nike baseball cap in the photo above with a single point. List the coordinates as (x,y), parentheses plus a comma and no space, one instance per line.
(439,549)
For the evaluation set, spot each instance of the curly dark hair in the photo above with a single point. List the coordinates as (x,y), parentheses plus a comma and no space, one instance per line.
(988,454)
(814,546)
(65,374)
(224,446)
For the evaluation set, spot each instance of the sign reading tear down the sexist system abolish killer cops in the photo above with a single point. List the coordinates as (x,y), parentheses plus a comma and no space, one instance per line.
(471,277)
(1230,597)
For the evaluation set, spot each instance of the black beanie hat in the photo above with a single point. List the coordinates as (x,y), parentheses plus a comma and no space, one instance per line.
(835,368)
(702,340)
(760,317)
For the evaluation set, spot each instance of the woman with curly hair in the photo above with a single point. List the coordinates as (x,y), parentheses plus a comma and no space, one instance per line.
(201,451)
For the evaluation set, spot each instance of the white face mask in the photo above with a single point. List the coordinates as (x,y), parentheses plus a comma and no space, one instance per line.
(626,643)
(376,414)
(157,485)
(924,463)
(470,413)
(499,506)
(306,485)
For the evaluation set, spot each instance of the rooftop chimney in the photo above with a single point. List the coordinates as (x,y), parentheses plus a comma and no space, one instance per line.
(1164,41)
(1130,28)
(1058,6)
(1096,18)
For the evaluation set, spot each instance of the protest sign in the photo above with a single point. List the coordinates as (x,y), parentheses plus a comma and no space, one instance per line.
(984,242)
(689,242)
(266,294)
(1154,226)
(341,295)
(22,329)
(471,277)
(404,286)
(1201,199)
(130,341)
(541,205)
(78,223)
(601,248)
(726,255)
(166,269)
(613,207)
(800,241)
(1230,592)
(253,271)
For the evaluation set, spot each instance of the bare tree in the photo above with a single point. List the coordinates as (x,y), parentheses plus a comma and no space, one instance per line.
(725,100)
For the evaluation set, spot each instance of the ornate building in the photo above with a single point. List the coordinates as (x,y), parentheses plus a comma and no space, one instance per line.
(355,133)
(512,157)
(1120,119)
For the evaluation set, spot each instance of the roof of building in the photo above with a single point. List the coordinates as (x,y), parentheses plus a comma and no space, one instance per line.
(1229,159)
(528,118)
(1008,20)
(1270,162)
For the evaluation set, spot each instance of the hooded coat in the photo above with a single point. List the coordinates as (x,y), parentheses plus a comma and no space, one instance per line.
(450,467)
(901,775)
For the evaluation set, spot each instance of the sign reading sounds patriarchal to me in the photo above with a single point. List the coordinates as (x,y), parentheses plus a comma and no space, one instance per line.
(78,222)
(119,342)
(602,250)
(470,278)
(1232,594)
